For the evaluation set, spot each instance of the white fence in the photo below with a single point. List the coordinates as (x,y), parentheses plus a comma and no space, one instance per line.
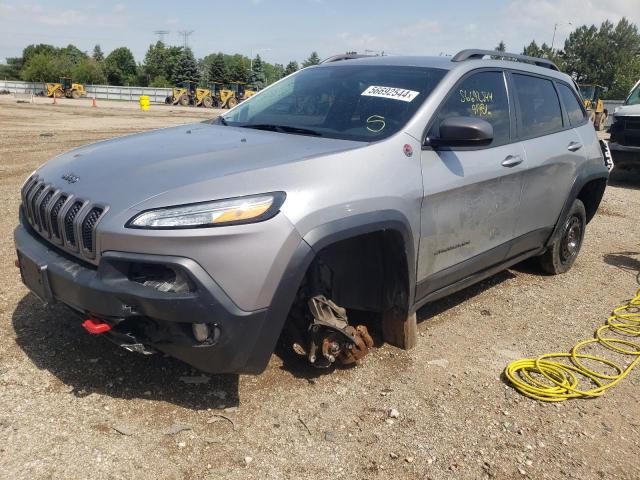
(103,92)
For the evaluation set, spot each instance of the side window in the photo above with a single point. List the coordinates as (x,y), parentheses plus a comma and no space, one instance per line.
(571,105)
(481,95)
(539,105)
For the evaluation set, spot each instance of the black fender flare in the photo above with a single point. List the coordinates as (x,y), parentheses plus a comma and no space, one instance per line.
(313,242)
(594,172)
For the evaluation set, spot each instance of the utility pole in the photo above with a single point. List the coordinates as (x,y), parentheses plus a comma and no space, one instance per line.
(161,34)
(555,27)
(185,34)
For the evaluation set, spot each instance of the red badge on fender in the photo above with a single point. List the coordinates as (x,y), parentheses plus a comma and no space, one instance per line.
(407,149)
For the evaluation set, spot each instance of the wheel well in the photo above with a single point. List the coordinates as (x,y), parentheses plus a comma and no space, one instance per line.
(366,272)
(591,195)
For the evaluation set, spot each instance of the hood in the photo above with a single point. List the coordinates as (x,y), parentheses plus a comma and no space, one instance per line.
(627,111)
(126,171)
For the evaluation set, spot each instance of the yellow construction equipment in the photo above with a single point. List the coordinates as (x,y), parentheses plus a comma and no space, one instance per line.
(228,96)
(65,89)
(187,94)
(592,98)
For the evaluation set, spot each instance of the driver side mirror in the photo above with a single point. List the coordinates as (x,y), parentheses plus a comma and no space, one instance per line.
(463,132)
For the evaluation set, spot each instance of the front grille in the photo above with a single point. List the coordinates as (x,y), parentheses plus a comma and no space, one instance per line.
(628,131)
(43,209)
(54,217)
(69,227)
(59,215)
(88,227)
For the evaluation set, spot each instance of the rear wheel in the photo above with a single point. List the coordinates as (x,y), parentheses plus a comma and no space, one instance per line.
(599,121)
(207,102)
(560,255)
(75,94)
(184,100)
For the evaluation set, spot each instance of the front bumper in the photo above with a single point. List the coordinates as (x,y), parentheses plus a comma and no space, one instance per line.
(155,318)
(624,155)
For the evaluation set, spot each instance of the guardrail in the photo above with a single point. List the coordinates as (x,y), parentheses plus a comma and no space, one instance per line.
(100,92)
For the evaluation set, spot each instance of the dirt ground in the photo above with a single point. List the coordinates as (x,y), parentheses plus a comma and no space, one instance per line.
(75,406)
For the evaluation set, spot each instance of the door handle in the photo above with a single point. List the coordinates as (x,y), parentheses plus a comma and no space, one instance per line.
(512,161)
(574,146)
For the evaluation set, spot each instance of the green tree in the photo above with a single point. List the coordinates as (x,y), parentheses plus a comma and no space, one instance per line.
(257,78)
(218,70)
(11,71)
(97,54)
(186,68)
(89,71)
(598,55)
(43,67)
(73,54)
(155,61)
(33,49)
(238,68)
(313,59)
(273,72)
(291,67)
(120,66)
(160,82)
(501,47)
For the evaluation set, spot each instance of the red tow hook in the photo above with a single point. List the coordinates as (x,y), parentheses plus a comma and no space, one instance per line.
(95,327)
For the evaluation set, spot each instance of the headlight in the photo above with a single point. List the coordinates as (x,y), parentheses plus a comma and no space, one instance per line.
(232,211)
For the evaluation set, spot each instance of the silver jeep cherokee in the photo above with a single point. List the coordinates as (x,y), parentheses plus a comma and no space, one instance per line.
(363,184)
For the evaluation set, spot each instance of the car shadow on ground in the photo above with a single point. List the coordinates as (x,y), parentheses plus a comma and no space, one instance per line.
(54,340)
(625,178)
(627,261)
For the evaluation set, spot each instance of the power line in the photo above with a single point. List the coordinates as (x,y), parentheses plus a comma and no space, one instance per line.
(185,34)
(161,34)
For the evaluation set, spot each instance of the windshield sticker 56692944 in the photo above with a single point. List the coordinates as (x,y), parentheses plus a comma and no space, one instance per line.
(391,92)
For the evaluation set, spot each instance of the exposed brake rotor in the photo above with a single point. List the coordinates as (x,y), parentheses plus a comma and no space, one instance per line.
(331,338)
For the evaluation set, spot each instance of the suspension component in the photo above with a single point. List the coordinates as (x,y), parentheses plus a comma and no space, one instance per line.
(330,337)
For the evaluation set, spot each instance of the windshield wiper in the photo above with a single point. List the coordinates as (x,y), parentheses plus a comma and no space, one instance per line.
(282,129)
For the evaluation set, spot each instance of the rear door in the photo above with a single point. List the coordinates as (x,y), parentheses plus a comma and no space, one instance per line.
(552,150)
(471,195)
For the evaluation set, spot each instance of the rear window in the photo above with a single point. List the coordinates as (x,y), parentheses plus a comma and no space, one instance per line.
(539,105)
(572,105)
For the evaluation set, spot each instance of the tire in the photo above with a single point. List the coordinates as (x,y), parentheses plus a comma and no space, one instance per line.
(207,102)
(561,254)
(232,102)
(599,121)
(184,100)
(75,94)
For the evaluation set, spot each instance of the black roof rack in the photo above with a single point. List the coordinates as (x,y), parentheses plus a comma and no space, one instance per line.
(344,56)
(473,54)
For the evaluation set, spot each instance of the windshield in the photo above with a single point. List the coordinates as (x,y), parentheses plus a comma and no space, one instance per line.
(634,96)
(352,102)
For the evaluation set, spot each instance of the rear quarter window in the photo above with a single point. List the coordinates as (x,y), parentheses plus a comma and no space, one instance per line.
(572,105)
(540,111)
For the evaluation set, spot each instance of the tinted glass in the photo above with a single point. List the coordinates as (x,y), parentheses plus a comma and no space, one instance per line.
(571,104)
(539,105)
(352,102)
(634,96)
(481,95)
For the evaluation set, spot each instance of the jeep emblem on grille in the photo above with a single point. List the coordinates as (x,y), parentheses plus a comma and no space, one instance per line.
(70,178)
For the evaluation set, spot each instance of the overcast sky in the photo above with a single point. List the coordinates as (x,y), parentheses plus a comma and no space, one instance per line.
(284,30)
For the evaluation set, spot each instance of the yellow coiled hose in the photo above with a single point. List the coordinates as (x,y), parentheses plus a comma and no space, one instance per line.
(546,379)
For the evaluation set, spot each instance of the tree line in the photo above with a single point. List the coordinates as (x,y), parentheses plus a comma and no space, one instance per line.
(163,66)
(608,55)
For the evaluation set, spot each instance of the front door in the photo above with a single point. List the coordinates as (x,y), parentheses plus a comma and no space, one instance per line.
(471,195)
